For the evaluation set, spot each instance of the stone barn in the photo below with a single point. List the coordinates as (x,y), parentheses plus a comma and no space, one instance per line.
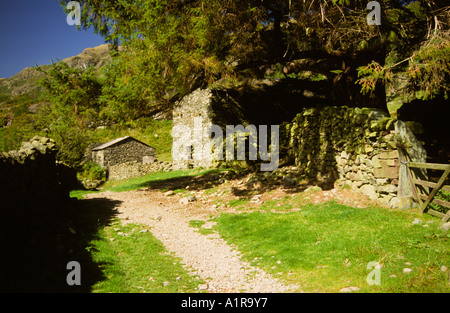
(123,150)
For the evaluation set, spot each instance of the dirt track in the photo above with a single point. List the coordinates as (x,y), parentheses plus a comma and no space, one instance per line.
(208,256)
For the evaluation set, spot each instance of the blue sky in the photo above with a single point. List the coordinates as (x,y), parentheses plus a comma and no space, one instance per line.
(37,32)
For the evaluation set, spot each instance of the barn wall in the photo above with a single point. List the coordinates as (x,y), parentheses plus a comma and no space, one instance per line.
(126,151)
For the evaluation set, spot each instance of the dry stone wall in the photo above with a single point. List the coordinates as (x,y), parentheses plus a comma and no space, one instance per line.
(34,193)
(135,169)
(30,178)
(353,146)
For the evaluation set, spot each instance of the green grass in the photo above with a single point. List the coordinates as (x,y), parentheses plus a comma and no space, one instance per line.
(138,262)
(238,202)
(134,261)
(142,182)
(324,248)
(276,205)
(152,180)
(80,193)
(198,224)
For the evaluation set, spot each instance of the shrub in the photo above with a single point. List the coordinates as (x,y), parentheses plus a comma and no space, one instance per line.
(92,171)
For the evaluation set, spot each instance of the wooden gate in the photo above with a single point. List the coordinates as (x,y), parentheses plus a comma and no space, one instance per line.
(421,186)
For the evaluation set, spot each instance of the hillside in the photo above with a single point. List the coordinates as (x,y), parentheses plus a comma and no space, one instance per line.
(25,113)
(26,81)
(23,89)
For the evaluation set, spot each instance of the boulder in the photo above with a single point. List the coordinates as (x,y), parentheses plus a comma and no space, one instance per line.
(191,198)
(184,201)
(387,189)
(313,189)
(288,181)
(369,191)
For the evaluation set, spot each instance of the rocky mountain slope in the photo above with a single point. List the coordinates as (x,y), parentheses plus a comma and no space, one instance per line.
(22,91)
(26,81)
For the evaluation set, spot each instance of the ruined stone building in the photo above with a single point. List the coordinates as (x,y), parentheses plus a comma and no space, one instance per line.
(258,104)
(357,147)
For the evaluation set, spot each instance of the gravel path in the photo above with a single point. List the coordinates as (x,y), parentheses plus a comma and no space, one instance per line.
(209,256)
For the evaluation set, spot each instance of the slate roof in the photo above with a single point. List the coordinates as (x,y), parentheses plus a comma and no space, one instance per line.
(115,141)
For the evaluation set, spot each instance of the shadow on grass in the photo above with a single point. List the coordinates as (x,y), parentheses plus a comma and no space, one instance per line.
(36,251)
(171,180)
(209,179)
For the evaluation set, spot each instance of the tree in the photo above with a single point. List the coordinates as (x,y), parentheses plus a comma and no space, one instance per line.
(74,94)
(78,88)
(426,69)
(179,45)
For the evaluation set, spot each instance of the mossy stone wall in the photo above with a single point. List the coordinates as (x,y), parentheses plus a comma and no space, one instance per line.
(350,146)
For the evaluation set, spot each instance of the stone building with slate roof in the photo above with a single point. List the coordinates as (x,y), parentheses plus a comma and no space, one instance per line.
(123,150)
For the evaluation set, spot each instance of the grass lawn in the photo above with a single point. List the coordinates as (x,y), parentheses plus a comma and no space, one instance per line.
(133,261)
(326,247)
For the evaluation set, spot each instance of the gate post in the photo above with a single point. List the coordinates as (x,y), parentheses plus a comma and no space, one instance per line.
(405,191)
(409,149)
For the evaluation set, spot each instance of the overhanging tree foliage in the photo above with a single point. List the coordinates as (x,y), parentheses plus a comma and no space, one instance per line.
(173,47)
(425,68)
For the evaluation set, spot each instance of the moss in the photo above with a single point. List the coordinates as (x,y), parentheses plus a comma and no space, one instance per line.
(366,111)
(380,124)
